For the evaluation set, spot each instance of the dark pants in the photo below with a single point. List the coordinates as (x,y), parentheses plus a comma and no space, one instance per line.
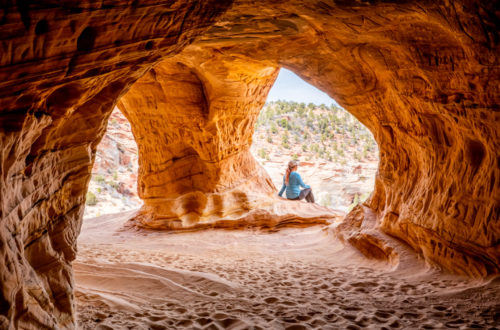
(307,194)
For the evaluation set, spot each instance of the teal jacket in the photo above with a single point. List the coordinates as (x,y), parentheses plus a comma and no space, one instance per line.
(294,184)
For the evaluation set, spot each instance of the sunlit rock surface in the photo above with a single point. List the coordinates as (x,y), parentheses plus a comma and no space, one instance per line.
(193,118)
(63,66)
(422,76)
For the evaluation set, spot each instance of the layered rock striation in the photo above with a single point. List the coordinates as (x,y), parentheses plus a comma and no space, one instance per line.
(423,77)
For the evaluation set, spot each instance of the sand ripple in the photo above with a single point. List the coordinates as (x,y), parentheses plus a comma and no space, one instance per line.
(293,279)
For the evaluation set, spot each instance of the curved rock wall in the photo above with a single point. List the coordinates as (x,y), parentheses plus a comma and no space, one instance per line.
(193,119)
(62,67)
(423,76)
(422,82)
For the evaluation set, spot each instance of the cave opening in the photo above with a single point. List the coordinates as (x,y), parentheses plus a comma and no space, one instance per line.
(421,76)
(113,185)
(337,154)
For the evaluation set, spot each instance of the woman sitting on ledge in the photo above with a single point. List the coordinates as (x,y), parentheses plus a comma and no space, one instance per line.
(292,183)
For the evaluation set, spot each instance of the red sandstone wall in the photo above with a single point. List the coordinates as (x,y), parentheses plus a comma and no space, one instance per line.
(422,76)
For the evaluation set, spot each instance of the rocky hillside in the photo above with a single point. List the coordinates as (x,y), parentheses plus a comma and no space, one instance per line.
(113,187)
(338,156)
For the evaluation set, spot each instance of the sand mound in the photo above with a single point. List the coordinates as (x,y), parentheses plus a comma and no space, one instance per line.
(292,279)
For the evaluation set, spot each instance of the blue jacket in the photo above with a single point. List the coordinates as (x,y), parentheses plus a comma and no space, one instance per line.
(294,184)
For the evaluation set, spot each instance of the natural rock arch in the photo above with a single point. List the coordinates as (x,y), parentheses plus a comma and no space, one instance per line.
(193,118)
(423,77)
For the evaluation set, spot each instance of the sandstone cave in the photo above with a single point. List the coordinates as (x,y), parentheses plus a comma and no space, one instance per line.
(422,76)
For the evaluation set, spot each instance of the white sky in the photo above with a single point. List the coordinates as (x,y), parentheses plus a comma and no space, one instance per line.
(290,87)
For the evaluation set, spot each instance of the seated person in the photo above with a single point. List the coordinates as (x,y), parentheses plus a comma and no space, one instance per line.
(292,183)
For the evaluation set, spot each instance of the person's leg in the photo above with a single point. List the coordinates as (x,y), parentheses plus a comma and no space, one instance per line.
(310,196)
(304,193)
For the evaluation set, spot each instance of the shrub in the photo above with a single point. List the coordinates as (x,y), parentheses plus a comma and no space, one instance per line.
(91,199)
(99,178)
(114,184)
(284,138)
(262,153)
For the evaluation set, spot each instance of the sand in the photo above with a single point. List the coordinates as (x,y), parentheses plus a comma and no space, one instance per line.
(296,278)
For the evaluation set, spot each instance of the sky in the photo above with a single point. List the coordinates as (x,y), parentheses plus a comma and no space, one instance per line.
(290,87)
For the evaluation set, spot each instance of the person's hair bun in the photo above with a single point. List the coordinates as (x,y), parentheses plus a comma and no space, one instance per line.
(292,164)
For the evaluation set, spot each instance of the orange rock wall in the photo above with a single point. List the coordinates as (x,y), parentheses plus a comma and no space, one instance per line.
(63,65)
(193,118)
(423,76)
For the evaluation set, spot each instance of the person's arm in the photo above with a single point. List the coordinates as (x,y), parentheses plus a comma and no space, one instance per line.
(301,183)
(282,188)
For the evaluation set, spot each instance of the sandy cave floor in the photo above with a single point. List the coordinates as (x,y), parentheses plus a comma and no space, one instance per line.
(291,279)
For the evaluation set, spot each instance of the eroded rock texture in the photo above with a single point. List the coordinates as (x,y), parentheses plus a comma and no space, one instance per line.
(62,68)
(193,121)
(193,118)
(424,79)
(423,76)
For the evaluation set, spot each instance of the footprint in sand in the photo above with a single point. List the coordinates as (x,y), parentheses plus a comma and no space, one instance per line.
(351,308)
(384,314)
(230,323)
(271,300)
(181,310)
(412,316)
(156,318)
(184,323)
(203,321)
(296,327)
(103,327)
(348,316)
(156,326)
(439,307)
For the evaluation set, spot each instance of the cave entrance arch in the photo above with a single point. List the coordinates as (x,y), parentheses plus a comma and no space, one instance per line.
(113,185)
(193,117)
(338,155)
(421,76)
